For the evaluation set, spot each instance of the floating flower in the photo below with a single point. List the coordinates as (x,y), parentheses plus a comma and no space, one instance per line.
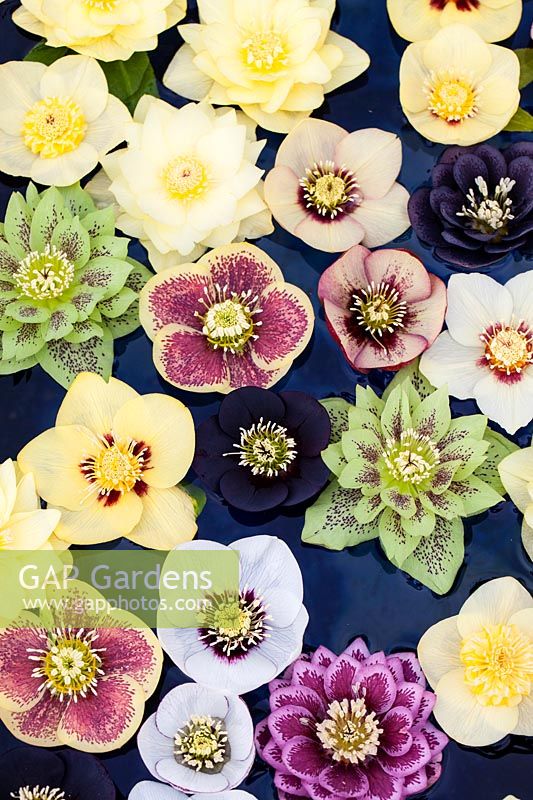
(405,471)
(479,206)
(354,726)
(109,30)
(29,773)
(480,664)
(456,89)
(67,286)
(149,790)
(383,308)
(262,449)
(112,463)
(24,525)
(334,189)
(57,122)
(228,321)
(516,473)
(276,60)
(188,180)
(75,676)
(416,20)
(247,639)
(199,740)
(487,351)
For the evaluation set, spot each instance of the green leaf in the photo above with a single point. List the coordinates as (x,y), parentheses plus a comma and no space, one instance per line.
(525,56)
(63,360)
(437,558)
(45,54)
(338,410)
(522,121)
(196,494)
(330,521)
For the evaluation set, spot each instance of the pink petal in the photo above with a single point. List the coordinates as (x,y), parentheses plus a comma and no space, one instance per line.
(416,757)
(128,651)
(312,141)
(396,738)
(401,349)
(358,650)
(425,708)
(322,656)
(340,677)
(305,758)
(395,666)
(311,675)
(244,372)
(283,197)
(290,784)
(171,298)
(402,270)
(417,782)
(242,267)
(382,786)
(330,235)
(433,772)
(377,686)
(298,696)
(412,670)
(345,780)
(39,725)
(426,318)
(287,324)
(286,723)
(375,156)
(318,792)
(410,696)
(185,360)
(338,282)
(436,740)
(262,735)
(18,689)
(348,335)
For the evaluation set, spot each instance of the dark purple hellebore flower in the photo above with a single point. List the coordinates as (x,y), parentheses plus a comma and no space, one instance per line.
(480,205)
(262,449)
(351,726)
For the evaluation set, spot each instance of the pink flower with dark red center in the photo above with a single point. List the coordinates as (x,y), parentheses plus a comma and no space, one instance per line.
(229,320)
(351,726)
(383,308)
(77,677)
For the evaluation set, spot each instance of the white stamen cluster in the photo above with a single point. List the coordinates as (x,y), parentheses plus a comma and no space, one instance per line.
(38,793)
(412,458)
(266,448)
(329,189)
(379,309)
(350,732)
(202,744)
(489,214)
(46,275)
(228,318)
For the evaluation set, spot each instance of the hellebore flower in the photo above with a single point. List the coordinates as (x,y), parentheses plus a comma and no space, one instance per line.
(354,725)
(383,308)
(24,525)
(516,473)
(262,450)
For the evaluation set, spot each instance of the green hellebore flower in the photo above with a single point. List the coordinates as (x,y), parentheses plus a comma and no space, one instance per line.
(67,286)
(406,472)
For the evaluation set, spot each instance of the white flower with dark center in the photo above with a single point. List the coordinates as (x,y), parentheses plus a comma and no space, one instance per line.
(38,793)
(199,740)
(246,640)
(487,351)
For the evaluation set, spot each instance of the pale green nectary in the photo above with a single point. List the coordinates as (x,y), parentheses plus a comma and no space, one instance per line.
(406,472)
(67,285)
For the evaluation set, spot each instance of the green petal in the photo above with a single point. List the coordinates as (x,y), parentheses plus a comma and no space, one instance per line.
(443,476)
(368,508)
(9,264)
(432,417)
(100,223)
(478,455)
(125,324)
(110,247)
(83,331)
(401,503)
(396,416)
(361,444)
(8,366)
(64,360)
(338,410)
(48,214)
(476,495)
(499,448)
(119,304)
(84,299)
(447,505)
(32,196)
(22,343)
(105,273)
(138,276)
(421,523)
(77,200)
(73,240)
(60,323)
(437,558)
(330,522)
(414,383)
(368,400)
(396,543)
(333,458)
(24,311)
(365,420)
(358,473)
(17,225)
(472,427)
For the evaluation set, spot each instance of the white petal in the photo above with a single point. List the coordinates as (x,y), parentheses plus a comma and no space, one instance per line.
(184,77)
(508,404)
(82,79)
(474,303)
(19,82)
(524,726)
(516,471)
(384,219)
(107,131)
(449,363)
(235,677)
(150,790)
(375,156)
(521,289)
(153,745)
(15,157)
(494,603)
(188,779)
(438,650)
(180,704)
(312,141)
(66,169)
(239,726)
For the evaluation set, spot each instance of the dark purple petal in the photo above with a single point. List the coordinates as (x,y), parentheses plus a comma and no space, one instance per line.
(436,740)
(298,696)
(412,670)
(521,171)
(345,780)
(505,246)
(416,757)
(323,657)
(240,491)
(340,678)
(458,238)
(377,686)
(311,675)
(445,194)
(308,422)
(468,259)
(305,758)
(396,739)
(243,407)
(262,735)
(451,154)
(442,175)
(289,784)
(85,777)
(517,150)
(466,169)
(357,649)
(209,462)
(311,475)
(381,785)
(426,224)
(290,721)
(31,766)
(494,161)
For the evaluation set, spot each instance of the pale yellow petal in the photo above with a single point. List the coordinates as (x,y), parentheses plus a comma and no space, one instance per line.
(516,470)
(438,650)
(494,603)
(93,402)
(27,498)
(95,522)
(81,78)
(168,519)
(30,530)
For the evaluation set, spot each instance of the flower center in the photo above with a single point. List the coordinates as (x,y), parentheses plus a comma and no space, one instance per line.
(185,179)
(54,126)
(462,5)
(202,744)
(228,320)
(118,466)
(379,309)
(350,731)
(451,96)
(489,214)
(266,448)
(101,5)
(508,348)
(412,459)
(68,662)
(44,276)
(499,665)
(264,51)
(329,190)
(232,624)
(38,793)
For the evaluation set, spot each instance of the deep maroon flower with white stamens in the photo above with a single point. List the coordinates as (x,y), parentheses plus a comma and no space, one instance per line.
(351,726)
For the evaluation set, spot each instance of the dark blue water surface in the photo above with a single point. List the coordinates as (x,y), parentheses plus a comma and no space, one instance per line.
(356,592)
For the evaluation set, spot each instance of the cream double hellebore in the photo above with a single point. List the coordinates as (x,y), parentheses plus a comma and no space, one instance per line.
(112,463)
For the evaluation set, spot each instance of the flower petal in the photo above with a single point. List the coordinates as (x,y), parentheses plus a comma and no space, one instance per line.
(438,649)
(474,303)
(287,320)
(93,402)
(375,158)
(168,519)
(494,603)
(183,357)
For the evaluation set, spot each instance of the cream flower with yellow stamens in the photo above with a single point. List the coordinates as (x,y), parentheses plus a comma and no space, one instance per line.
(112,463)
(110,30)
(480,665)
(416,20)
(57,122)
(24,525)
(457,89)
(276,59)
(516,472)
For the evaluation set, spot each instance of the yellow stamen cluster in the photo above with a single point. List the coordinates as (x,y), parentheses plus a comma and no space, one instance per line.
(350,732)
(379,309)
(185,179)
(329,189)
(508,348)
(117,467)
(264,51)
(54,126)
(202,744)
(452,96)
(499,665)
(228,318)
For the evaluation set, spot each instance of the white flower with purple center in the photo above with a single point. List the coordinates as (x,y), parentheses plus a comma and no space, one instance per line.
(351,726)
(199,740)
(246,639)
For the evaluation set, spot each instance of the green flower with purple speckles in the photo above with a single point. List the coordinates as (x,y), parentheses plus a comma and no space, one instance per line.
(406,472)
(67,286)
